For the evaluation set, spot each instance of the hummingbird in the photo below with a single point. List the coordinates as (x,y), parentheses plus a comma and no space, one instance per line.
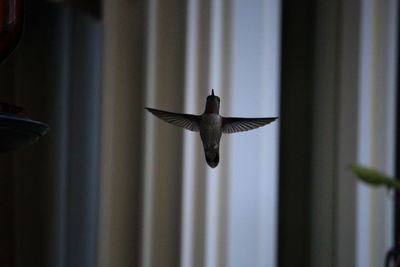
(211,125)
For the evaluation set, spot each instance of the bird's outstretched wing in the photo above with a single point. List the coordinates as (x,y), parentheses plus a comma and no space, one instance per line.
(234,125)
(187,121)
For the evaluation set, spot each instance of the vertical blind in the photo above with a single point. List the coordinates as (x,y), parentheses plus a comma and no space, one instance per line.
(190,215)
(111,185)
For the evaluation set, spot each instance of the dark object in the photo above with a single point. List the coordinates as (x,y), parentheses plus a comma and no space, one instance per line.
(392,256)
(11,20)
(395,252)
(17,132)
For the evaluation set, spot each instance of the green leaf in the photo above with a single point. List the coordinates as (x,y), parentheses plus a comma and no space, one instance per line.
(374,177)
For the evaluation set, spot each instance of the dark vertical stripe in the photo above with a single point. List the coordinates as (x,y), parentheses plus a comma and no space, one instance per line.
(83,141)
(7,221)
(297,39)
(397,162)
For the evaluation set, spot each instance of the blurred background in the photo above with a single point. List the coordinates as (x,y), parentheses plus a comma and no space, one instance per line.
(111,185)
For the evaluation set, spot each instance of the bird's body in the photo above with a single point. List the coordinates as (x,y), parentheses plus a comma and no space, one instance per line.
(210,133)
(211,125)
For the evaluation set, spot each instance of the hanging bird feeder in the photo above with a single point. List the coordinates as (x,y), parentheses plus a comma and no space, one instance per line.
(16,131)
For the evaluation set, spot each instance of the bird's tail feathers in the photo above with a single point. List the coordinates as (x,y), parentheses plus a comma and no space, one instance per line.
(212,157)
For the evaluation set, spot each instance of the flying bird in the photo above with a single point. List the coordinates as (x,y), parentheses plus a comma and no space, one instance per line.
(211,125)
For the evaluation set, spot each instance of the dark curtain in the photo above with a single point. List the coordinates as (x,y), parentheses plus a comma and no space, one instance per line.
(49,189)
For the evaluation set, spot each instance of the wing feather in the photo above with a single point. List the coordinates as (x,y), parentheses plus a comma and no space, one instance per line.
(234,125)
(187,121)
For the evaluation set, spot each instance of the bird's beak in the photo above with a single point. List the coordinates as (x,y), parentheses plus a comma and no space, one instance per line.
(212,92)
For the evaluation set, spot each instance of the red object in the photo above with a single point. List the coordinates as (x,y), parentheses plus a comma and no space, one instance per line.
(11,20)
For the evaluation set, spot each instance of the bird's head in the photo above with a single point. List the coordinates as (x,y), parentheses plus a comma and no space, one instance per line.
(212,104)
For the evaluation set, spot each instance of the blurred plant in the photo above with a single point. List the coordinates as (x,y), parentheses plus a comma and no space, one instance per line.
(375,177)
